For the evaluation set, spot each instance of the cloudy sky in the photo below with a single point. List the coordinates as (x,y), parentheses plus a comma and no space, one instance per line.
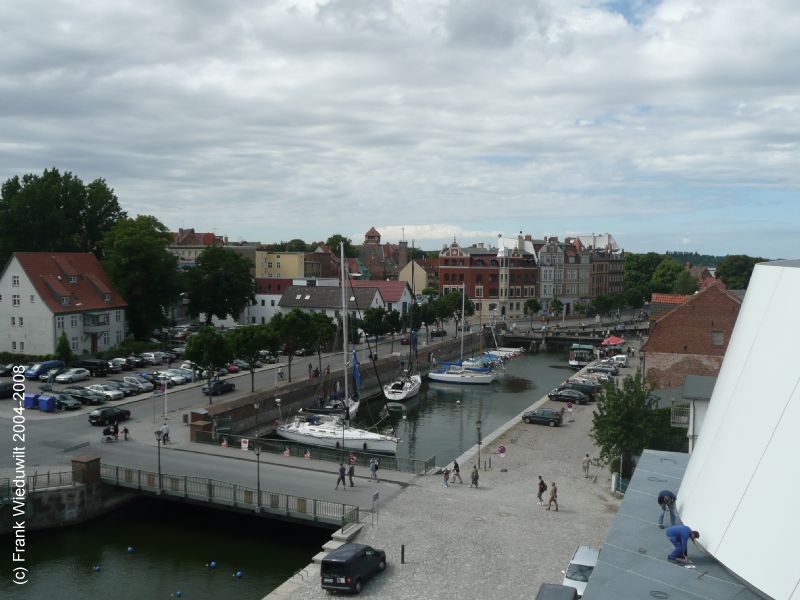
(673,125)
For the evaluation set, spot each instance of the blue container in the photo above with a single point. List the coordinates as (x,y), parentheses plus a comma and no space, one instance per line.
(31,400)
(47,403)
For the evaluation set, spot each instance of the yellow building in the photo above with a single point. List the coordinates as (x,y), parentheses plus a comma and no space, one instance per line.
(420,277)
(280,265)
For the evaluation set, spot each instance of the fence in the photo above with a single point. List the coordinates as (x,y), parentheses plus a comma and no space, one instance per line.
(38,481)
(279,446)
(231,494)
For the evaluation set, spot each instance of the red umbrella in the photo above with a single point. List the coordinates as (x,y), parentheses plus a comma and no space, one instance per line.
(613,340)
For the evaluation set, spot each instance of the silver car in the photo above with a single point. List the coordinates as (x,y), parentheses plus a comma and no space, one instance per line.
(580,568)
(73,375)
(108,391)
(139,382)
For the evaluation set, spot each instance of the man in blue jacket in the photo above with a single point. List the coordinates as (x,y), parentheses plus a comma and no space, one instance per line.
(680,535)
(666,500)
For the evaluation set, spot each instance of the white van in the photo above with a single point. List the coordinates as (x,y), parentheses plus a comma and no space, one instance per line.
(621,360)
(580,568)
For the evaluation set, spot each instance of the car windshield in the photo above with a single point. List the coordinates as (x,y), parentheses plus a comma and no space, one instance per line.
(577,572)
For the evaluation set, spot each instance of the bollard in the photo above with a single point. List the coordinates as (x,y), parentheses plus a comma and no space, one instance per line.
(402,554)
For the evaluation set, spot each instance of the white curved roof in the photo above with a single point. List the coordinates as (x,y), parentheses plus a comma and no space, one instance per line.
(741,489)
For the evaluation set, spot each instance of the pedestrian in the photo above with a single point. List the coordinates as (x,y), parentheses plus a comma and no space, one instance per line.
(553,496)
(350,473)
(165,433)
(373,470)
(310,371)
(680,535)
(341,477)
(116,430)
(586,462)
(666,500)
(445,476)
(328,370)
(456,472)
(475,476)
(542,490)
(280,373)
(125,433)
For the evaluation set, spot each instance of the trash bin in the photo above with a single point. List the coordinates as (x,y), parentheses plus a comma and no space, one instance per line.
(31,400)
(47,403)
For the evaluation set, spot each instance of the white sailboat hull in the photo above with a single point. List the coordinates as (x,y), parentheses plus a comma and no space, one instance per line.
(330,435)
(403,388)
(462,376)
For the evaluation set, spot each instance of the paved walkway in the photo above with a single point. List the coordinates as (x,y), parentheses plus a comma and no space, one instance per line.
(494,541)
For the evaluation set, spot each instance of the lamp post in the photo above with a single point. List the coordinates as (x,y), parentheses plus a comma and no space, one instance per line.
(256,406)
(478,427)
(159,434)
(258,476)
(280,416)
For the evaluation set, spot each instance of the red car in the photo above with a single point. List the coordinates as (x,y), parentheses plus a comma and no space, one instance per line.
(231,368)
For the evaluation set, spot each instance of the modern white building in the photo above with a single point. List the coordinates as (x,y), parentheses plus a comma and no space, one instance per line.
(43,294)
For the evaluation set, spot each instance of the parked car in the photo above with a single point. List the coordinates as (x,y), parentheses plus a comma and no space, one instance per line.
(573,396)
(179,376)
(304,352)
(589,389)
(554,591)
(109,391)
(405,339)
(73,375)
(437,332)
(268,357)
(178,350)
(85,395)
(108,415)
(544,416)
(139,382)
(67,402)
(157,378)
(135,361)
(153,358)
(620,360)
(187,373)
(242,364)
(6,370)
(349,566)
(122,363)
(580,568)
(95,366)
(6,389)
(170,378)
(114,367)
(232,368)
(52,373)
(38,369)
(219,386)
(124,387)
(603,368)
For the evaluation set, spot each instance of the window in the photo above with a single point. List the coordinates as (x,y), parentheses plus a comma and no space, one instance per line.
(15,300)
(119,337)
(106,297)
(479,291)
(1,297)
(74,343)
(15,280)
(22,346)
(33,299)
(263,302)
(277,265)
(60,322)
(717,337)
(13,321)
(263,320)
(13,346)
(73,279)
(272,302)
(252,319)
(105,338)
(118,315)
(20,321)
(73,320)
(64,300)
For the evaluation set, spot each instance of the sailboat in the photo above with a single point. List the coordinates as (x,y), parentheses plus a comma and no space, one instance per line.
(407,385)
(457,372)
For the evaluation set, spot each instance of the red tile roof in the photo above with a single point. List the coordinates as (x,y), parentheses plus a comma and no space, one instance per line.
(49,273)
(669,298)
(391,291)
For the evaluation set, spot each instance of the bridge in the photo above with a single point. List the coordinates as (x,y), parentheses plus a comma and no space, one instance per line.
(564,334)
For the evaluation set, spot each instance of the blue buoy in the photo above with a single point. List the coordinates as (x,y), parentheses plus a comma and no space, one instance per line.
(130,549)
(178,594)
(97,568)
(213,564)
(239,574)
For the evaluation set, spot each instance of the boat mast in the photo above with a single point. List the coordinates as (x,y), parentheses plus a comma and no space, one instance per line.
(413,304)
(344,325)
(463,295)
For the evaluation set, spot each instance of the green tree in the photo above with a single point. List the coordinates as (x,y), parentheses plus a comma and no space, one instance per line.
(735,270)
(624,422)
(684,283)
(393,325)
(246,342)
(63,351)
(55,213)
(141,269)
(665,274)
(634,297)
(294,330)
(295,245)
(556,307)
(532,307)
(639,269)
(323,330)
(581,308)
(210,349)
(333,242)
(602,304)
(220,284)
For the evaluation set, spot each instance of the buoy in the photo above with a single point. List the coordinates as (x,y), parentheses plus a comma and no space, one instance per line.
(130,549)
(239,574)
(178,594)
(97,568)
(212,564)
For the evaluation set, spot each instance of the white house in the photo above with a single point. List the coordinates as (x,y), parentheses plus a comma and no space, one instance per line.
(43,294)
(328,300)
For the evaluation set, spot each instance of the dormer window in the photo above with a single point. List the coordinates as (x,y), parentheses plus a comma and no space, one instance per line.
(106,297)
(73,279)
(64,300)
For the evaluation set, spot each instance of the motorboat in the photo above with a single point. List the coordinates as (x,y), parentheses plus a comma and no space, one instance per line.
(404,387)
(331,432)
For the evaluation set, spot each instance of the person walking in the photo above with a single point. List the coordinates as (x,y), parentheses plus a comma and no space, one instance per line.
(351,473)
(165,433)
(680,535)
(475,476)
(666,500)
(456,472)
(373,470)
(341,477)
(125,433)
(553,496)
(542,490)
(116,430)
(445,476)
(586,462)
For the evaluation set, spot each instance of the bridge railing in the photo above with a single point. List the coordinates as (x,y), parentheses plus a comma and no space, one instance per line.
(37,481)
(279,446)
(231,494)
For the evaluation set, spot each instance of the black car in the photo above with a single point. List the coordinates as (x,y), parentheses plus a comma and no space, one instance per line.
(84,395)
(588,389)
(6,389)
(219,386)
(573,396)
(124,387)
(108,415)
(436,332)
(96,366)
(6,370)
(349,566)
(544,416)
(135,361)
(603,368)
(67,402)
(304,352)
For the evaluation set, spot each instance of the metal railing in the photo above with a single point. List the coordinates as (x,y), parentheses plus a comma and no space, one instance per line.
(38,481)
(231,494)
(679,415)
(279,446)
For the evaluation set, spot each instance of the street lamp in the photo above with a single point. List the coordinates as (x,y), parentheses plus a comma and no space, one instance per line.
(478,427)
(258,476)
(256,406)
(159,435)
(280,416)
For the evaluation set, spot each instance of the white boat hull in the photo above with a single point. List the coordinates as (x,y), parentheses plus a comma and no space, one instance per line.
(403,388)
(331,436)
(462,376)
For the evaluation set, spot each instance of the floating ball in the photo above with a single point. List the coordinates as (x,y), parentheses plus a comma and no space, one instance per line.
(97,568)
(130,549)
(212,564)
(178,594)
(239,574)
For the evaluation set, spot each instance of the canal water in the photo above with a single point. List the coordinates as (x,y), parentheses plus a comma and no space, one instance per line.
(173,543)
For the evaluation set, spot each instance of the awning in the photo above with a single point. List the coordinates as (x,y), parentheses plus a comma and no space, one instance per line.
(613,340)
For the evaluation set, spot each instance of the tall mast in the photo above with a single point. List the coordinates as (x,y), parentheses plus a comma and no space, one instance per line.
(463,295)
(344,322)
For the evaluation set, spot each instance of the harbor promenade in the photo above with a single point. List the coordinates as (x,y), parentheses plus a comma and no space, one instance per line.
(494,541)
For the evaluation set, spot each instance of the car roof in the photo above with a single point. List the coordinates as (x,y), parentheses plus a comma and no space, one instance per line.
(585,555)
(345,551)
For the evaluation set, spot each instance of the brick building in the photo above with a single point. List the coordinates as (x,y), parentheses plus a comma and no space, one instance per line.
(691,339)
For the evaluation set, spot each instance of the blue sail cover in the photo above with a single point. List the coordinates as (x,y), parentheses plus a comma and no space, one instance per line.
(356,372)
(414,345)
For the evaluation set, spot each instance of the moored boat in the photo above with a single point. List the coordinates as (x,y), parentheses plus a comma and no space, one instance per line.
(331,432)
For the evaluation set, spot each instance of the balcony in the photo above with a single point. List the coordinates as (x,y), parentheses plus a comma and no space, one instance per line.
(96,322)
(679,415)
